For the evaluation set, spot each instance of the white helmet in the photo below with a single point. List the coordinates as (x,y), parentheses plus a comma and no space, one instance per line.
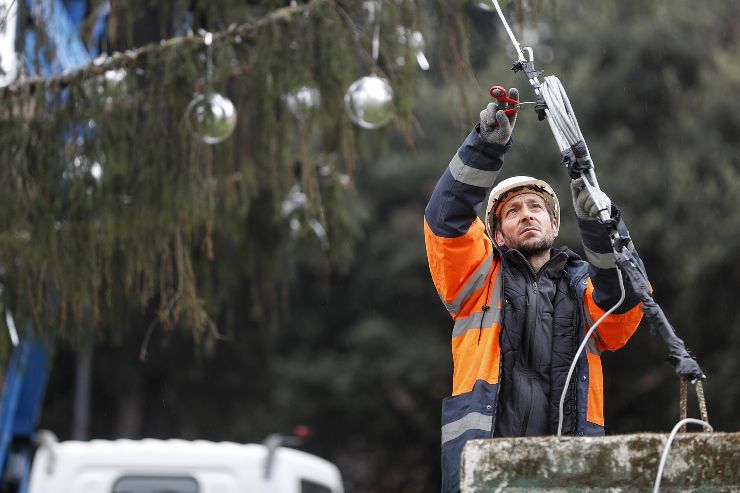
(513,186)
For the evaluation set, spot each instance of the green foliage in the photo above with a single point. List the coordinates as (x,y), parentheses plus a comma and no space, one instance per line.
(109,201)
(361,354)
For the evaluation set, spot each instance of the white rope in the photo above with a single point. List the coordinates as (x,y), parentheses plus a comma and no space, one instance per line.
(517,47)
(667,448)
(564,126)
(561,112)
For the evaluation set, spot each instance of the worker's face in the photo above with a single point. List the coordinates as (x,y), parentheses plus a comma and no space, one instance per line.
(526,224)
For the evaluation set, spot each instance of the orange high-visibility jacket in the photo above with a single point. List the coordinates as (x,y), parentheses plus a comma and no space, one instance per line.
(467,270)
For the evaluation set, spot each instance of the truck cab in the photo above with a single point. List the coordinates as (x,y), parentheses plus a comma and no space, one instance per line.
(177,466)
(34,461)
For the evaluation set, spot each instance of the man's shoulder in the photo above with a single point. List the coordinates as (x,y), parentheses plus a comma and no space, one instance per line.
(576,269)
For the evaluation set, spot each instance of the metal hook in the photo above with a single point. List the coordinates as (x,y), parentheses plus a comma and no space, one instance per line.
(376,30)
(530,52)
(208,40)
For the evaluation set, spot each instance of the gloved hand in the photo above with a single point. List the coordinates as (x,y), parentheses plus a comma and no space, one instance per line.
(585,206)
(497,134)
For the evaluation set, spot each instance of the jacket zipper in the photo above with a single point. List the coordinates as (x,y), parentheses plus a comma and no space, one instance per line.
(530,341)
(530,355)
(500,354)
(533,275)
(577,329)
(530,345)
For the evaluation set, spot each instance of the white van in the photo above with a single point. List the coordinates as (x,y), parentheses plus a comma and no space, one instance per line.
(177,466)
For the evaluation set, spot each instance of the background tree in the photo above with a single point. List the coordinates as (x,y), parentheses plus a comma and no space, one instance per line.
(360,352)
(111,199)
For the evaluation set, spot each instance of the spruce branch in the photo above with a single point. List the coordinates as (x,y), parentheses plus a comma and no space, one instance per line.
(119,60)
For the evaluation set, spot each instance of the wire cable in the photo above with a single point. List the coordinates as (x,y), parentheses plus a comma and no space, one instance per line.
(561,112)
(567,133)
(667,448)
(582,346)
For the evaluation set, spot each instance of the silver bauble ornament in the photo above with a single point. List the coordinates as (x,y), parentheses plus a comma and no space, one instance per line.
(212,117)
(295,201)
(415,41)
(113,87)
(82,170)
(486,5)
(369,102)
(320,232)
(302,101)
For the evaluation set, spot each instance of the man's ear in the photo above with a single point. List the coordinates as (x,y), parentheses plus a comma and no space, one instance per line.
(555,228)
(498,237)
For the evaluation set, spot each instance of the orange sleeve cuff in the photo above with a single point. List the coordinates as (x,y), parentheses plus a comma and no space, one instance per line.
(616,329)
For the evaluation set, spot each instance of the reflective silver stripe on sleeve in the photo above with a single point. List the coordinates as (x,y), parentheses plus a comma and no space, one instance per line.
(604,260)
(489,318)
(600,260)
(471,176)
(591,346)
(589,318)
(471,421)
(473,284)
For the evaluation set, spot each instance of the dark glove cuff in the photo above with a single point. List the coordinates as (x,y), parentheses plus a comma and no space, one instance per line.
(595,235)
(483,152)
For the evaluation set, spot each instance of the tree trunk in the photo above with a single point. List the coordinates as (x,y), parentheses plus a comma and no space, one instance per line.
(129,405)
(83,390)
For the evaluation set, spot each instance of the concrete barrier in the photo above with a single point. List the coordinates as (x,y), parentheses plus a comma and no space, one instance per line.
(698,462)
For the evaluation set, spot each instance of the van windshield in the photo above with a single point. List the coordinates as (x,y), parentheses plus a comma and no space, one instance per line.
(311,487)
(155,484)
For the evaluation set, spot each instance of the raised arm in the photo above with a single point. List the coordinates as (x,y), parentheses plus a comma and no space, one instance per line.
(603,290)
(460,254)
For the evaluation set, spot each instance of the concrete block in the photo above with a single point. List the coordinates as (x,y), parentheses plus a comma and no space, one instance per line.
(698,462)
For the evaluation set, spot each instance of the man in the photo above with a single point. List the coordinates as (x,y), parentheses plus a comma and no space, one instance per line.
(520,307)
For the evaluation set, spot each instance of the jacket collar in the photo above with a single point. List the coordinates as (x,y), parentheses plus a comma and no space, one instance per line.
(561,258)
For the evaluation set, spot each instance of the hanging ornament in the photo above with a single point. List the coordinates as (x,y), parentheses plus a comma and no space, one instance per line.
(294,202)
(415,41)
(486,5)
(113,86)
(86,160)
(292,208)
(302,101)
(211,116)
(369,99)
(110,87)
(320,233)
(85,169)
(83,173)
(369,102)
